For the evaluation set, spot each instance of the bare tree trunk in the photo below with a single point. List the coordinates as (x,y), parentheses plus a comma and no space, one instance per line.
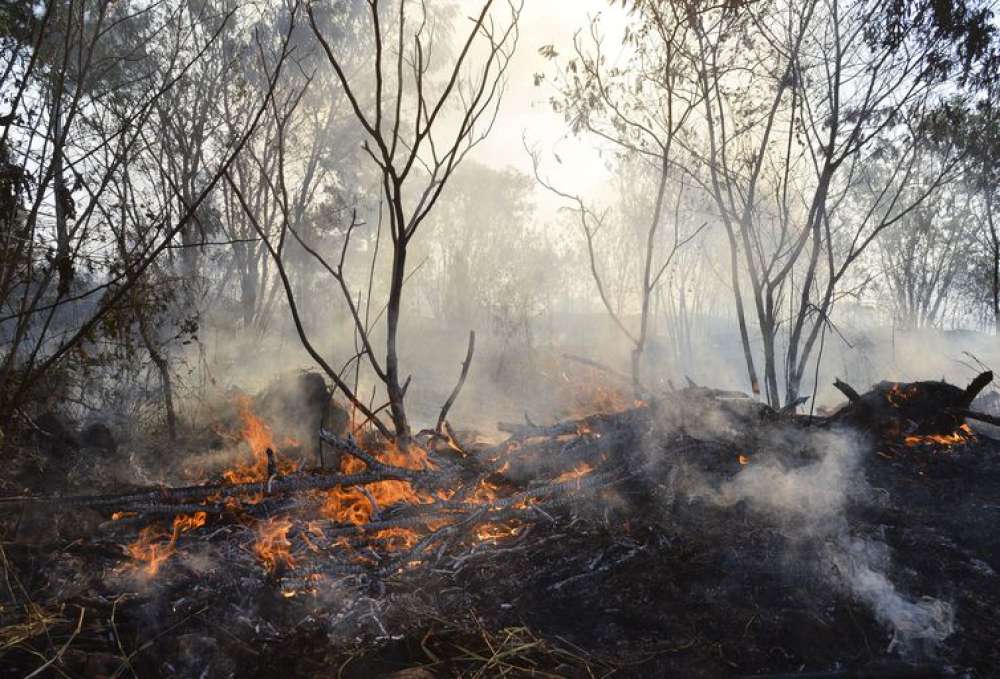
(647,278)
(248,295)
(995,243)
(163,367)
(64,264)
(734,269)
(387,138)
(393,388)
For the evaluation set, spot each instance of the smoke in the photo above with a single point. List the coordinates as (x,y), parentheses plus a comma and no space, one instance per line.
(917,625)
(810,504)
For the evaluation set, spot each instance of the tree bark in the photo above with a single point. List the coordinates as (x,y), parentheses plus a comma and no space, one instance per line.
(395,392)
(995,242)
(64,265)
(163,367)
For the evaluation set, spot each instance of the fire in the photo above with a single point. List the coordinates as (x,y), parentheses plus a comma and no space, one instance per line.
(743,459)
(155,545)
(485,492)
(273,546)
(963,434)
(185,523)
(398,538)
(496,531)
(898,394)
(580,470)
(346,505)
(586,389)
(599,398)
(259,437)
(351,505)
(356,506)
(311,581)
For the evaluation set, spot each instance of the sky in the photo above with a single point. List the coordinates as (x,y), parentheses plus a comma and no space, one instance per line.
(525,109)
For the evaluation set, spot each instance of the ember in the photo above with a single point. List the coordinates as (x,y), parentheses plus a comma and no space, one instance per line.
(578,471)
(963,434)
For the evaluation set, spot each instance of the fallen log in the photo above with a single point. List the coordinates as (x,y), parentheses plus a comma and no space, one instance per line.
(895,410)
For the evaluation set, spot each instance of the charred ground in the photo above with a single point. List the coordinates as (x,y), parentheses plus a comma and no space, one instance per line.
(635,542)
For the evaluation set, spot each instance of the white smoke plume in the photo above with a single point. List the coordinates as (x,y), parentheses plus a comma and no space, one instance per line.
(810,502)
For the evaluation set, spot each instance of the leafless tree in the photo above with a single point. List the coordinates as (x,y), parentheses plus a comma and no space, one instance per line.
(925,261)
(642,108)
(789,126)
(99,65)
(416,132)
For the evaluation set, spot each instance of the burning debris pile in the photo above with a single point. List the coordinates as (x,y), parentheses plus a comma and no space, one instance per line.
(700,532)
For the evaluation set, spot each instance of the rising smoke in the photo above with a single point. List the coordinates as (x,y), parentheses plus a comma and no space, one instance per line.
(810,503)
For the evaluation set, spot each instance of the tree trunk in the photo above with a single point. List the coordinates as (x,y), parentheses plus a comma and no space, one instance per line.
(395,391)
(647,278)
(995,242)
(734,270)
(163,366)
(63,263)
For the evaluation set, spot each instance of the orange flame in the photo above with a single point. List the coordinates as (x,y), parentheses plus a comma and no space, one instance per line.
(350,505)
(155,545)
(273,546)
(485,492)
(576,472)
(962,435)
(259,437)
(496,531)
(398,538)
(599,398)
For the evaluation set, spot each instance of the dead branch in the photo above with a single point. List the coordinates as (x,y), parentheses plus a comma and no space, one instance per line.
(976,386)
(847,390)
(982,417)
(461,382)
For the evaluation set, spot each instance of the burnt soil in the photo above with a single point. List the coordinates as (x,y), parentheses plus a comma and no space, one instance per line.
(636,580)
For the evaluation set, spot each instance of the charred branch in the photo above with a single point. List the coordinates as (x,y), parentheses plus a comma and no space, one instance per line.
(461,382)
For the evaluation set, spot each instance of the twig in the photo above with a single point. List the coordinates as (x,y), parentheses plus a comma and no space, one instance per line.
(58,656)
(461,381)
(599,366)
(976,386)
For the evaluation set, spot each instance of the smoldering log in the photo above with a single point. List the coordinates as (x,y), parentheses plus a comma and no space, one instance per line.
(894,410)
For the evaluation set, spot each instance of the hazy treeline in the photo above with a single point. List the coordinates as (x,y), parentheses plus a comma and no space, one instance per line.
(192,187)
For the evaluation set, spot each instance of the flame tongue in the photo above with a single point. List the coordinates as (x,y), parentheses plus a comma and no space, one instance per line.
(259,437)
(155,545)
(960,436)
(273,547)
(355,506)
